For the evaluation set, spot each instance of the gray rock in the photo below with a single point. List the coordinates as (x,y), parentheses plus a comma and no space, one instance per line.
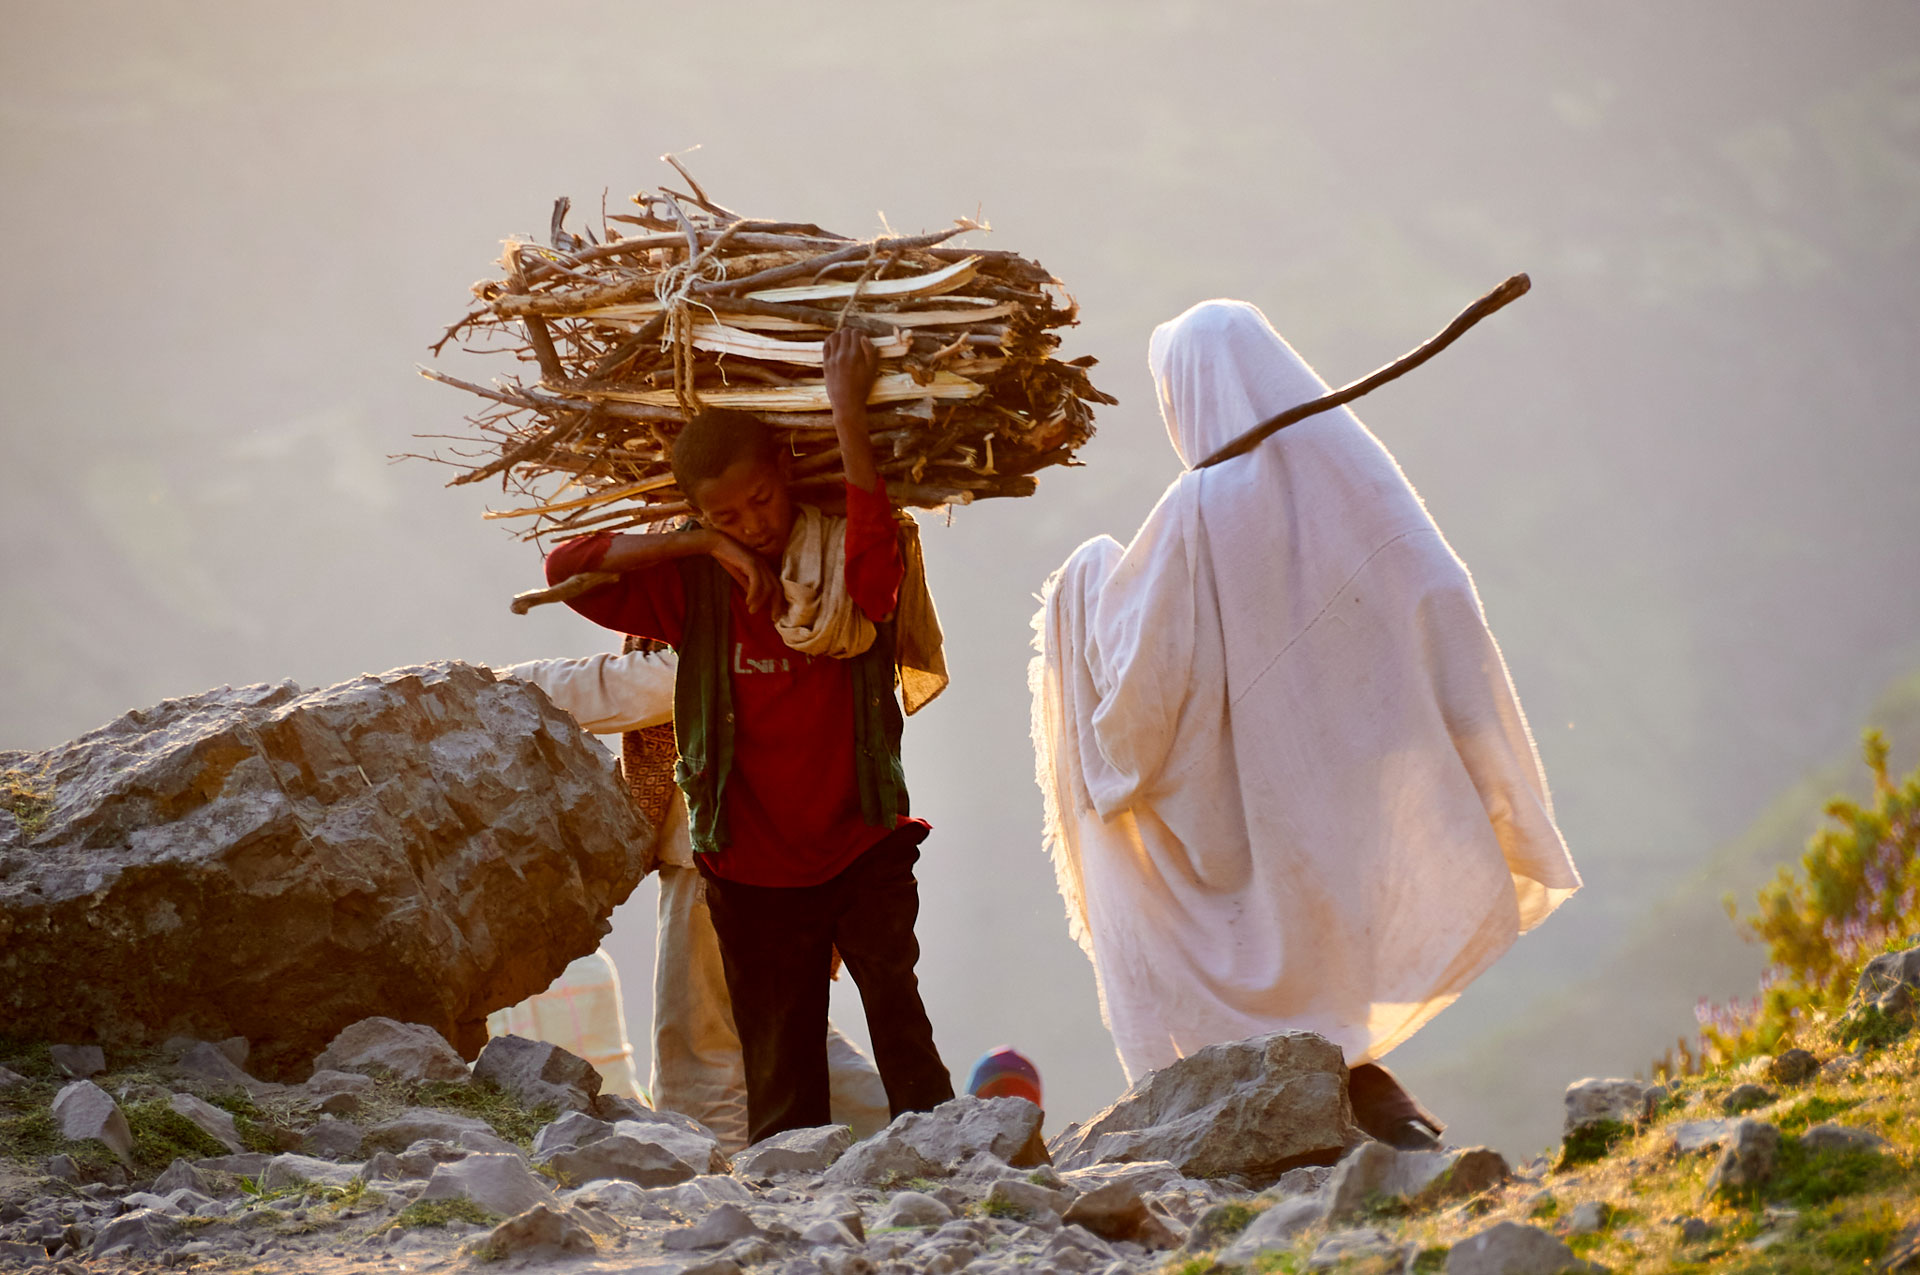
(1694,1230)
(421,1158)
(424,1124)
(1275,1229)
(831,1232)
(209,1119)
(1690,1136)
(574,1129)
(1302,1181)
(325,1083)
(203,1061)
(1590,1102)
(1374,1171)
(85,1110)
(184,1174)
(615,1195)
(1343,1247)
(148,1200)
(247,1164)
(795,1151)
(911,1208)
(497,1183)
(1509,1248)
(1840,1137)
(134,1234)
(1745,1097)
(1114,1210)
(406,1051)
(1016,1197)
(937,1143)
(1748,1158)
(78,1061)
(188,1200)
(332,1139)
(537,1072)
(1886,972)
(276,863)
(650,1154)
(1589,1217)
(1144,1175)
(544,1229)
(10,1079)
(292,1170)
(719,1228)
(1252,1108)
(1793,1067)
(705,1192)
(235,1048)
(61,1167)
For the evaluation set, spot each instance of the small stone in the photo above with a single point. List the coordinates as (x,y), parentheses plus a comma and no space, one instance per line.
(1746,1097)
(85,1110)
(913,1208)
(542,1229)
(292,1170)
(717,1229)
(937,1143)
(537,1072)
(1840,1137)
(207,1118)
(650,1154)
(10,1079)
(406,1051)
(497,1183)
(1344,1247)
(1590,1102)
(1375,1171)
(203,1061)
(417,1124)
(795,1151)
(1748,1159)
(325,1082)
(1695,1230)
(78,1061)
(1698,1135)
(1509,1248)
(137,1233)
(247,1164)
(1589,1217)
(1275,1228)
(831,1232)
(1017,1197)
(1793,1067)
(341,1105)
(148,1200)
(332,1139)
(61,1167)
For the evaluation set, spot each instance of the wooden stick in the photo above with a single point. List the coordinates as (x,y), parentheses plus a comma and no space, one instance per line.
(1512,290)
(571,587)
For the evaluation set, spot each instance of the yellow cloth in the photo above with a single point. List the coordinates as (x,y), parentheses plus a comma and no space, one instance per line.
(820,617)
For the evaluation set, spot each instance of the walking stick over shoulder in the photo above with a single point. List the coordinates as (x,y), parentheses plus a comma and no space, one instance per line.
(1512,290)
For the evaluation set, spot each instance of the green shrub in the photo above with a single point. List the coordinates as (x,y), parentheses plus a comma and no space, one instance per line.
(162,1135)
(1592,1142)
(1856,893)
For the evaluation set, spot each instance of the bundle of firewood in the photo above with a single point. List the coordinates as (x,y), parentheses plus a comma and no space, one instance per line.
(621,338)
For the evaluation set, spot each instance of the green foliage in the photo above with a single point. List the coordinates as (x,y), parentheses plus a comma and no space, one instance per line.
(254,1126)
(1860,1240)
(1276,1263)
(1593,1142)
(441,1212)
(489,1102)
(1230,1218)
(1805,1178)
(162,1135)
(1002,1208)
(1195,1266)
(1857,891)
(30,1058)
(30,1136)
(1805,1114)
(1546,1210)
(1430,1261)
(28,798)
(1867,1027)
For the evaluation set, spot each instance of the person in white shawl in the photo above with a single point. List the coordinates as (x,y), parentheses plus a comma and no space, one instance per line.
(1288,783)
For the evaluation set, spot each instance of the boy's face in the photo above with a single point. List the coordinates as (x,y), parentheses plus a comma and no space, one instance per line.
(748,501)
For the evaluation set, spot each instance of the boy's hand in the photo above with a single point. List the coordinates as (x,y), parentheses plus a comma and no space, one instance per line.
(748,569)
(851,364)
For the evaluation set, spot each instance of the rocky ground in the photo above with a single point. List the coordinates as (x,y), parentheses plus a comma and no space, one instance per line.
(396,1156)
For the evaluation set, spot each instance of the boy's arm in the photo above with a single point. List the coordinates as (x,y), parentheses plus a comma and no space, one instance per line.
(851,365)
(637,552)
(607,693)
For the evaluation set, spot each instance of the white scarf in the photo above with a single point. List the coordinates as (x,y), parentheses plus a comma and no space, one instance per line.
(1288,782)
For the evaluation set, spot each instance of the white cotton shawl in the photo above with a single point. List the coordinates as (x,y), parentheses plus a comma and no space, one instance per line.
(1288,781)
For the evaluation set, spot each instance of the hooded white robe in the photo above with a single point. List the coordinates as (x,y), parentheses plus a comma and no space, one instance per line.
(1288,782)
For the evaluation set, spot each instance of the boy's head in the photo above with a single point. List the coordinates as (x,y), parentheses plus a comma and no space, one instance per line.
(735,476)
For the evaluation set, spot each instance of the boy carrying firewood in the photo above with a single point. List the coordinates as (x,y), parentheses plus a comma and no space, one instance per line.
(792,627)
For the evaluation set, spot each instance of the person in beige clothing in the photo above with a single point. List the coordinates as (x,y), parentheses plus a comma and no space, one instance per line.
(697,1066)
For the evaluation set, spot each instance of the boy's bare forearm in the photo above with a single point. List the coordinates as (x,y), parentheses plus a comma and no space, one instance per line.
(851,364)
(633,552)
(856,446)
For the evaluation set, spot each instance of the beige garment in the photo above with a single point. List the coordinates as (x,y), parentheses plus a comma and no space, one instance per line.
(820,618)
(581,1012)
(696,1051)
(1287,778)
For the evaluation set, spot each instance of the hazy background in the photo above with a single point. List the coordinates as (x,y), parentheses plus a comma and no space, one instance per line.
(1683,469)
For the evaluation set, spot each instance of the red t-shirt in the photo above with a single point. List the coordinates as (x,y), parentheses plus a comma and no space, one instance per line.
(793,799)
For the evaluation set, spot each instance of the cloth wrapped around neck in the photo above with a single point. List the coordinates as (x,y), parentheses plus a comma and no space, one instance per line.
(820,617)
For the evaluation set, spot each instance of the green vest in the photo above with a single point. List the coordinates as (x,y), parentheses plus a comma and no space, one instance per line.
(703,713)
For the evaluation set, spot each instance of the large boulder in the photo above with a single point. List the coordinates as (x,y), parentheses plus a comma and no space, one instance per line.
(1249,1108)
(428,844)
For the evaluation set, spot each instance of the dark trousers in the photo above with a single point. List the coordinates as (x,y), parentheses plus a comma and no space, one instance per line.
(777,945)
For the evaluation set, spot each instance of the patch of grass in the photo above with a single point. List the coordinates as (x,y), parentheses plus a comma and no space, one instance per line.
(1430,1261)
(423,1213)
(1806,1178)
(1546,1210)
(1870,1028)
(31,1058)
(1808,1112)
(30,1136)
(1592,1142)
(1273,1263)
(254,1126)
(1860,1240)
(162,1135)
(489,1102)
(1002,1209)
(28,797)
(1198,1266)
